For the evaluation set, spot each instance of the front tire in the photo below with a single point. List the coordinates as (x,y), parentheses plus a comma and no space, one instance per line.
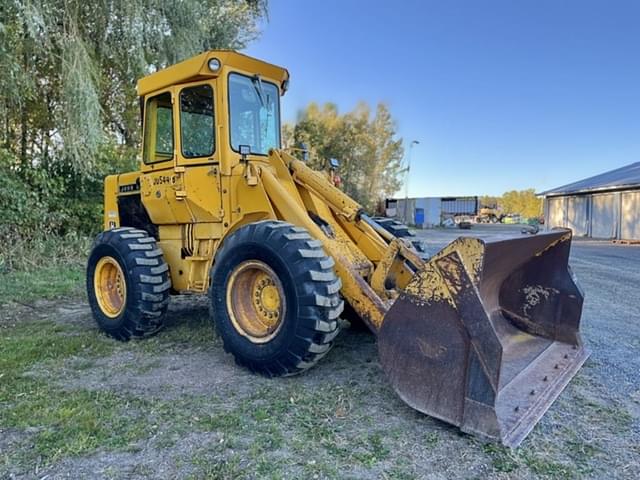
(127,283)
(275,298)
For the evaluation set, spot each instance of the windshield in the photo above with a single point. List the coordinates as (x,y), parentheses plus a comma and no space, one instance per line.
(254,112)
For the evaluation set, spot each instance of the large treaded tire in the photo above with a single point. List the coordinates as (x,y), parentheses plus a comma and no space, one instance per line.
(311,289)
(147,281)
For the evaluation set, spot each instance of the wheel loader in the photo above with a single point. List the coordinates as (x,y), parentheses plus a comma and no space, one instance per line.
(483,335)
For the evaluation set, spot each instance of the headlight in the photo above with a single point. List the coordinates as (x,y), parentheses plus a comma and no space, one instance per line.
(214,64)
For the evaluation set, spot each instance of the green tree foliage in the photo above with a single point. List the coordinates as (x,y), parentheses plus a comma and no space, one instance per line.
(69,113)
(523,202)
(364,142)
(70,66)
(489,201)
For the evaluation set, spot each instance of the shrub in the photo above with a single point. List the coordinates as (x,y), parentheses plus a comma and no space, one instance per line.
(40,204)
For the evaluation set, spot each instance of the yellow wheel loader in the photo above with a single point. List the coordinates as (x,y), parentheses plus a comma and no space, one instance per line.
(483,335)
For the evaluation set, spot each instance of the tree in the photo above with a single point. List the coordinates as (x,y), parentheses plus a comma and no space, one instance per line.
(489,201)
(70,67)
(365,143)
(523,202)
(69,112)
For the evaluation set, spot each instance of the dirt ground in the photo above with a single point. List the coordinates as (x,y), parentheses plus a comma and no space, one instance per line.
(197,415)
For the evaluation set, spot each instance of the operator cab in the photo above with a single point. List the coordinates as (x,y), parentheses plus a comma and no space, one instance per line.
(203,110)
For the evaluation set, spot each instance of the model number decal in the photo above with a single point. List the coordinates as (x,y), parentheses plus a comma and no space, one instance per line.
(164,179)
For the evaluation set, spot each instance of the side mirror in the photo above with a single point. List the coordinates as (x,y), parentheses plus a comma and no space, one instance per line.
(244,151)
(334,163)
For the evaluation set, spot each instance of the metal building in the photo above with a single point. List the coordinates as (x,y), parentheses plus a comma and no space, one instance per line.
(429,212)
(604,206)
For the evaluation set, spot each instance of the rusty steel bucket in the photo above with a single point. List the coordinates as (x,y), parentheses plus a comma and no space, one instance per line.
(486,336)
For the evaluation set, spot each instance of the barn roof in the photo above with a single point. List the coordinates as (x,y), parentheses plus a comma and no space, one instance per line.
(620,178)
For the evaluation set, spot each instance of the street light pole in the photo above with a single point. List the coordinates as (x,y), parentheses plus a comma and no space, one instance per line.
(406,183)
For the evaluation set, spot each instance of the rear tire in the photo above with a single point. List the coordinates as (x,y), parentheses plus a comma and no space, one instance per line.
(131,259)
(285,259)
(400,230)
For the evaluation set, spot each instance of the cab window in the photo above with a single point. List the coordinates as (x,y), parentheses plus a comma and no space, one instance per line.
(196,121)
(254,111)
(158,129)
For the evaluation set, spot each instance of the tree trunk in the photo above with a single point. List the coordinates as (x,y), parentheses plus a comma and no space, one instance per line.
(23,137)
(7,127)
(23,107)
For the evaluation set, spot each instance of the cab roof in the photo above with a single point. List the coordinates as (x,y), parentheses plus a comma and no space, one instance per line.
(196,68)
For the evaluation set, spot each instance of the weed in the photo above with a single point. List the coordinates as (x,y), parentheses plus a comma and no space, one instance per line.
(48,251)
(400,472)
(431,439)
(544,466)
(47,267)
(503,459)
(214,469)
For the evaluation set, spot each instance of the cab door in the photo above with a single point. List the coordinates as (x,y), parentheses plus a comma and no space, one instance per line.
(198,158)
(161,185)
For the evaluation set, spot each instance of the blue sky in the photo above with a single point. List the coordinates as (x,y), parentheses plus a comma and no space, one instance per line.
(501,94)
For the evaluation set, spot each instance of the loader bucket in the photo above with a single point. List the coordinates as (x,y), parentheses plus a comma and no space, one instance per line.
(485,337)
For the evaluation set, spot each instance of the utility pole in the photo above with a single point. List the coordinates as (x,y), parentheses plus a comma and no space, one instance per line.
(406,183)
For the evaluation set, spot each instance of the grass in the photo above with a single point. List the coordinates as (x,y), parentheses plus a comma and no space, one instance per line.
(62,423)
(576,449)
(32,342)
(53,422)
(47,268)
(228,469)
(307,424)
(41,283)
(323,430)
(541,463)
(504,460)
(288,428)
(190,328)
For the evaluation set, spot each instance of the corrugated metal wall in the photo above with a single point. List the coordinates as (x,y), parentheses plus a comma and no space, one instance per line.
(405,213)
(432,209)
(630,209)
(555,212)
(602,215)
(460,205)
(577,216)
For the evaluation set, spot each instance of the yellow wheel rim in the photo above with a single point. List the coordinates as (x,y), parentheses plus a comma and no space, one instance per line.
(110,287)
(255,301)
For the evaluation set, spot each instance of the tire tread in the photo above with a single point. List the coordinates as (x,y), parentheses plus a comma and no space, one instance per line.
(144,262)
(318,296)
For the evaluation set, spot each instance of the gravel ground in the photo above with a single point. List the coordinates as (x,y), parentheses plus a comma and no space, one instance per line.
(340,419)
